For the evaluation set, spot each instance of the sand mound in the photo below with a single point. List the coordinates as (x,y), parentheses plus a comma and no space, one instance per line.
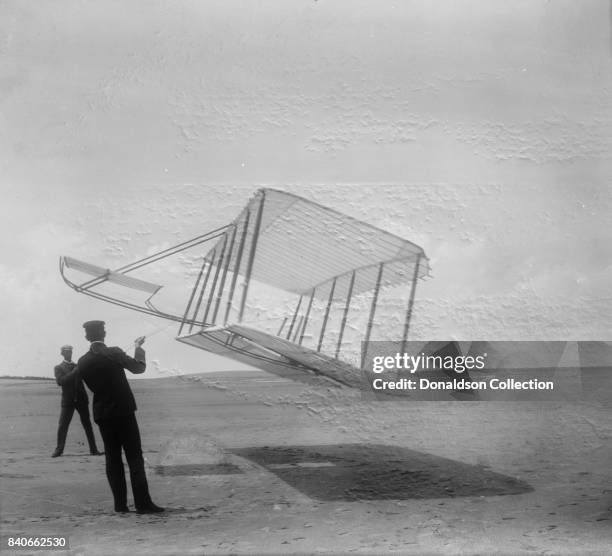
(191,449)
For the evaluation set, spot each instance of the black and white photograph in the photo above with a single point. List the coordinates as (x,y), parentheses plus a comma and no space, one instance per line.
(306,277)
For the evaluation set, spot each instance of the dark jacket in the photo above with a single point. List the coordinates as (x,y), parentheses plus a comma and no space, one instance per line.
(101,368)
(73,391)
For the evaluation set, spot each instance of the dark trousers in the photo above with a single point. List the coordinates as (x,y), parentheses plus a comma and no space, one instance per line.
(122,433)
(64,423)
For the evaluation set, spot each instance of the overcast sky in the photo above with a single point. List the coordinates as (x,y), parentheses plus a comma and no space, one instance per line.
(480,130)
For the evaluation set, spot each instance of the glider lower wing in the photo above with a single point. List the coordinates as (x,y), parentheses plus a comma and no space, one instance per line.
(270,352)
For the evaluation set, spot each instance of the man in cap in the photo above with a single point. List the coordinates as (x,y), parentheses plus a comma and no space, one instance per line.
(102,369)
(73,397)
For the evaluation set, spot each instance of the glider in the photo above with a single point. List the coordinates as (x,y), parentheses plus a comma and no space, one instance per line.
(288,285)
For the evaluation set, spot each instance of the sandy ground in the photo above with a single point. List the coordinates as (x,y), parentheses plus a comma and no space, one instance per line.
(253,463)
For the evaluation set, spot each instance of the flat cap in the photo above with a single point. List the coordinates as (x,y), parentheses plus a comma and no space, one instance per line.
(93,324)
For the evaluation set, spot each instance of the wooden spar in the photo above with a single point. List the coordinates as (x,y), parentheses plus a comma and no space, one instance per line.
(201,296)
(280,330)
(193,292)
(415,277)
(306,317)
(295,314)
(372,313)
(237,266)
(214,283)
(298,328)
(345,315)
(324,325)
(156,257)
(224,275)
(249,270)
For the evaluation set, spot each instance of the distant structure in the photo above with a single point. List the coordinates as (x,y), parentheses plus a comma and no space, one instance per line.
(289,284)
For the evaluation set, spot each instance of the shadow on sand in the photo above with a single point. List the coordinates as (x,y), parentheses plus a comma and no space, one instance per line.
(378,472)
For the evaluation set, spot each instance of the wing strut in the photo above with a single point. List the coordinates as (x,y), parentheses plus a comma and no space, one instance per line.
(119,276)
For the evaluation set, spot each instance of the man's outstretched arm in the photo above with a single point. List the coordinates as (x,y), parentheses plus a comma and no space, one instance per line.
(138,363)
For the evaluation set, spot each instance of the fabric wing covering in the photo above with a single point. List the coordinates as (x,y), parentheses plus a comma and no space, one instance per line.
(302,245)
(105,275)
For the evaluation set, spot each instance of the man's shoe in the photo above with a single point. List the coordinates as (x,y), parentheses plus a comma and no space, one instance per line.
(122,509)
(96,453)
(149,509)
(57,453)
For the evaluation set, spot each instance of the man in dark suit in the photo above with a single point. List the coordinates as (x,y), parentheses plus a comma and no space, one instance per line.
(102,369)
(73,397)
